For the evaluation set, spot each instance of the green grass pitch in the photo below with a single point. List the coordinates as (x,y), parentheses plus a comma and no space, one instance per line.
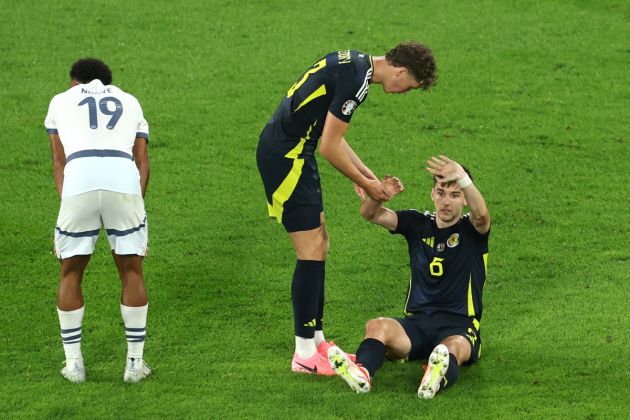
(533,96)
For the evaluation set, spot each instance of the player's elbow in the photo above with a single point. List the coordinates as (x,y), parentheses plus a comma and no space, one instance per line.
(324,150)
(482,223)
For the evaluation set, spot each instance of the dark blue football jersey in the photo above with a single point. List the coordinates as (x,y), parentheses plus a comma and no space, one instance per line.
(337,83)
(448,266)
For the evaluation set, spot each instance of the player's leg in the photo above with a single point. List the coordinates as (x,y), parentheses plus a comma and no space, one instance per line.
(70,294)
(70,309)
(307,295)
(381,335)
(460,345)
(129,267)
(320,339)
(126,225)
(294,198)
(133,309)
(459,352)
(76,231)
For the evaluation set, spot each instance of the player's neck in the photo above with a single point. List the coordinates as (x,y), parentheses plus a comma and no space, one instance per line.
(381,68)
(441,224)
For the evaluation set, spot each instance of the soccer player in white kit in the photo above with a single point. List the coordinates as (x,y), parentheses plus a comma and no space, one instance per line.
(99,137)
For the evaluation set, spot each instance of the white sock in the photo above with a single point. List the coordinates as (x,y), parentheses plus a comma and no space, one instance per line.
(319,337)
(305,347)
(135,319)
(70,324)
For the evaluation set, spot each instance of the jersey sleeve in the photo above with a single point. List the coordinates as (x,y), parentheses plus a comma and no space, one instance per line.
(482,239)
(49,122)
(350,91)
(143,126)
(407,222)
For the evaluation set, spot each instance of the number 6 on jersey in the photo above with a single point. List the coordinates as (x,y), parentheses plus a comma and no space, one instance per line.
(436,268)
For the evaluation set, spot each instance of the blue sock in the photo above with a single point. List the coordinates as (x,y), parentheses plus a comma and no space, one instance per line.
(371,355)
(452,373)
(305,296)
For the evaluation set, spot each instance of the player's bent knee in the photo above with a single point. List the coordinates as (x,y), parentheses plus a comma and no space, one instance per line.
(313,248)
(377,328)
(459,346)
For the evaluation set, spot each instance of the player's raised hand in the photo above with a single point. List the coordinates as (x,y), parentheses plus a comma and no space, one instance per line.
(377,191)
(445,169)
(393,185)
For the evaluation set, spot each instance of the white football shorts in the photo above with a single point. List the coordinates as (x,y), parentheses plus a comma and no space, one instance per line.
(81,217)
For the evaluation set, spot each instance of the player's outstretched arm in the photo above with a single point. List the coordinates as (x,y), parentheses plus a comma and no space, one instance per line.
(357,162)
(58,160)
(362,167)
(373,210)
(332,148)
(447,170)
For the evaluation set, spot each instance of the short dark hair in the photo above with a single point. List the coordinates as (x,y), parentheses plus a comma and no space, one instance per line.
(448,184)
(87,69)
(417,59)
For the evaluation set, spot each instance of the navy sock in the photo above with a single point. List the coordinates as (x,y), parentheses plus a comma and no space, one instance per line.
(319,321)
(452,373)
(305,295)
(371,355)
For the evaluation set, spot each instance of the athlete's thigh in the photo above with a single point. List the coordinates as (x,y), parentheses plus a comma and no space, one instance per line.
(78,225)
(395,338)
(461,334)
(125,222)
(417,327)
(459,346)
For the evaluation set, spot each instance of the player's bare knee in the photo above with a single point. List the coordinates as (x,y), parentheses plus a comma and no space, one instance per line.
(326,238)
(376,328)
(459,347)
(317,249)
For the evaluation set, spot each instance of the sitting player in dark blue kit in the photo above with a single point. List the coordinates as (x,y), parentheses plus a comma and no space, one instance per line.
(448,254)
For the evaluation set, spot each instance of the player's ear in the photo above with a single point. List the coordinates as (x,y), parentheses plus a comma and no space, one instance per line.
(401,71)
(74,82)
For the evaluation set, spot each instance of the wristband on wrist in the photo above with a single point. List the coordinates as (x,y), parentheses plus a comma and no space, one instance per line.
(465,181)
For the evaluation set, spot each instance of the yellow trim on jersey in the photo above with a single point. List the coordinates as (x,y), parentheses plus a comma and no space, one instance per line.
(315,68)
(476,323)
(485,262)
(407,301)
(286,188)
(320,91)
(471,306)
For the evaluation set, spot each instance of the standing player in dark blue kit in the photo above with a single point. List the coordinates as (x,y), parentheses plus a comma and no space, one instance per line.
(448,255)
(319,105)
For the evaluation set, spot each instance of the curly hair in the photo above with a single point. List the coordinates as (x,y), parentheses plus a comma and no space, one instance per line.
(87,69)
(416,58)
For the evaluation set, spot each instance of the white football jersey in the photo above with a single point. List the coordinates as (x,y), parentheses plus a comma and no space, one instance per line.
(98,126)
